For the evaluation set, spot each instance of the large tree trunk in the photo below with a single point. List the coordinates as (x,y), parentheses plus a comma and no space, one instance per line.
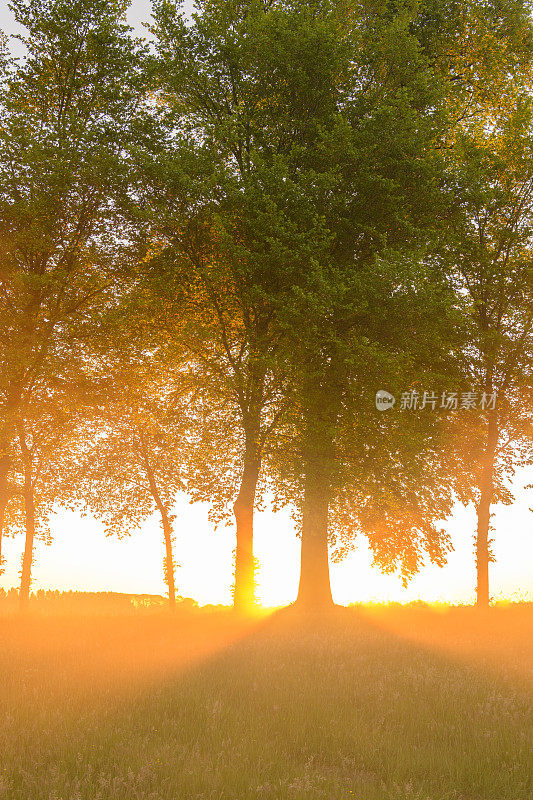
(483,554)
(244,594)
(314,591)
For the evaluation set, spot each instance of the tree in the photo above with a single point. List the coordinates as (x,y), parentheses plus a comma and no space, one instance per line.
(69,112)
(308,149)
(5,491)
(492,255)
(400,115)
(380,205)
(48,435)
(134,464)
(228,198)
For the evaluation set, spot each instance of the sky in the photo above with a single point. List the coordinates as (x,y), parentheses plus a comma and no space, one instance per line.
(82,557)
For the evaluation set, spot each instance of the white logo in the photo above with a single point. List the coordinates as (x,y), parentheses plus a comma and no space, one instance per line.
(384,400)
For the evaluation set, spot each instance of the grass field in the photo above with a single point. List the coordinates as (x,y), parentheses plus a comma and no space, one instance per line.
(365,704)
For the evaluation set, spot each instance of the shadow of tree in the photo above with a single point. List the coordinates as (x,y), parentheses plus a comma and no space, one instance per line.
(298,707)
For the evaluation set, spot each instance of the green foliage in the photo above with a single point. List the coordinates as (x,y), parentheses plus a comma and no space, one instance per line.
(300,210)
(284,209)
(134,458)
(68,114)
(490,258)
(66,120)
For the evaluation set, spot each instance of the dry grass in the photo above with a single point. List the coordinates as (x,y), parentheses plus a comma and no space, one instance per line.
(368,703)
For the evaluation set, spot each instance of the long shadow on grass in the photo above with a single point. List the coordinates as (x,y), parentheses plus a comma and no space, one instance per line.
(307,707)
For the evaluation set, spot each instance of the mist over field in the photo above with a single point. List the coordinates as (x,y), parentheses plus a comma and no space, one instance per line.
(266,400)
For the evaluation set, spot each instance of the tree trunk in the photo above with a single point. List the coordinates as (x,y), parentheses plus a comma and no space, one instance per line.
(244,595)
(6,492)
(29,513)
(2,513)
(168,569)
(5,466)
(8,431)
(169,558)
(27,559)
(314,591)
(483,554)
(3,504)
(318,456)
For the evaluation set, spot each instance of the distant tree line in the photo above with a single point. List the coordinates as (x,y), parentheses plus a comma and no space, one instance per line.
(91,601)
(217,245)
